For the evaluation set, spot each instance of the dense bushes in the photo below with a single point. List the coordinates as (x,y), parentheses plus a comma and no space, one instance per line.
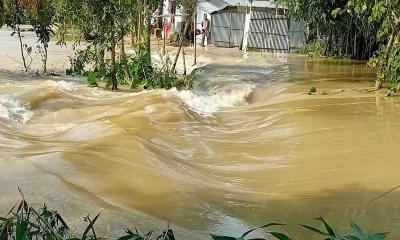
(391,70)
(315,48)
(135,70)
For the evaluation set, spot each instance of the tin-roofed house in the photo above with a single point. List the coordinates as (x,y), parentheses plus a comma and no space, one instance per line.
(269,28)
(250,24)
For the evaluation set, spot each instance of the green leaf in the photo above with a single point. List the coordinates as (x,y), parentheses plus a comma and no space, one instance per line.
(364,8)
(90,226)
(358,231)
(336,12)
(91,78)
(377,236)
(327,226)
(350,237)
(280,236)
(265,226)
(133,237)
(4,229)
(21,230)
(313,229)
(215,237)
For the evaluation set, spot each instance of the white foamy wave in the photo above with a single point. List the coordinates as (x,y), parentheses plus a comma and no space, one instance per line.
(13,110)
(149,109)
(67,86)
(210,102)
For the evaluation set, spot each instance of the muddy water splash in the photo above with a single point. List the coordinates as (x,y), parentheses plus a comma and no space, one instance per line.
(247,146)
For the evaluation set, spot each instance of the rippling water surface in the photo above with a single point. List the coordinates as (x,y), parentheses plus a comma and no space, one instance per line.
(245,147)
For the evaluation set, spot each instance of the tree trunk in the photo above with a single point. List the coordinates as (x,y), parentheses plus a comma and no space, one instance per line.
(133,16)
(148,26)
(318,33)
(355,44)
(347,43)
(139,25)
(378,83)
(114,70)
(195,37)
(123,60)
(45,59)
(184,61)
(21,47)
(123,54)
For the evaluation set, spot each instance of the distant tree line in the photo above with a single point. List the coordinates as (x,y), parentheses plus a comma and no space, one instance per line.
(358,29)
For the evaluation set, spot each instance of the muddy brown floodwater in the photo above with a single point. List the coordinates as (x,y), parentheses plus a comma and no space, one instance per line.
(246,147)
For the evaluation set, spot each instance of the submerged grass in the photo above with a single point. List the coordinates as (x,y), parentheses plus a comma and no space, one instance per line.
(23,222)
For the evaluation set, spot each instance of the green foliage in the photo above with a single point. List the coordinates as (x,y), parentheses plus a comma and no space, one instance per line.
(393,65)
(135,71)
(92,79)
(102,25)
(140,67)
(23,222)
(331,233)
(314,48)
(390,70)
(385,12)
(42,23)
(346,32)
(166,77)
(3,9)
(16,14)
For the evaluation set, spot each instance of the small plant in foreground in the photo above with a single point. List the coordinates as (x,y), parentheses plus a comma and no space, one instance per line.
(23,222)
(331,233)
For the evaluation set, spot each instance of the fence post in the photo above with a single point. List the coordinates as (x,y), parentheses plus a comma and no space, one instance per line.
(246,30)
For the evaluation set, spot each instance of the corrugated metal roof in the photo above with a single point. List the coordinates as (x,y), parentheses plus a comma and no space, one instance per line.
(265,3)
(210,6)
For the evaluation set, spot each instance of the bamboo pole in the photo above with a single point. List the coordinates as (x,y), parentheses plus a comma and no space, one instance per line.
(182,39)
(195,39)
(164,38)
(184,61)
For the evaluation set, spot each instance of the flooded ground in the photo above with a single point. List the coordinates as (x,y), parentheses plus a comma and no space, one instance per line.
(246,147)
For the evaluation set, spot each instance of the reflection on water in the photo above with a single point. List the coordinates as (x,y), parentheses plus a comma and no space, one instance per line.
(247,146)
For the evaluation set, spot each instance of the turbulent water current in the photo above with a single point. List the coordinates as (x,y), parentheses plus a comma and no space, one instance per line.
(245,147)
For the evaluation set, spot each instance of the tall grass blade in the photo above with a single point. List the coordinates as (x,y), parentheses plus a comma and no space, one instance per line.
(377,236)
(54,234)
(349,237)
(4,229)
(327,227)
(21,230)
(280,236)
(313,229)
(90,227)
(215,237)
(358,231)
(265,226)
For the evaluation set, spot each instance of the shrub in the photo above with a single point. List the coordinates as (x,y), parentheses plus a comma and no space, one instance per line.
(315,48)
